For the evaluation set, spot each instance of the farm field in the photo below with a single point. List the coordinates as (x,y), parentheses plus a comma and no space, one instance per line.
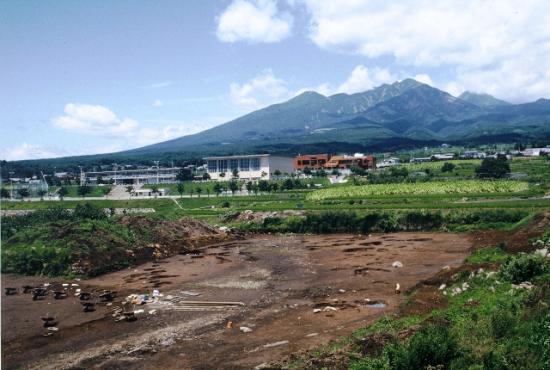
(465,187)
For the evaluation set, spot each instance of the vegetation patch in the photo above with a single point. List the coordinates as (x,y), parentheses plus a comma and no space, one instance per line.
(436,187)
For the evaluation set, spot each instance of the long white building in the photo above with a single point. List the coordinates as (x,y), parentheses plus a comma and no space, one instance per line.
(250,167)
(152,175)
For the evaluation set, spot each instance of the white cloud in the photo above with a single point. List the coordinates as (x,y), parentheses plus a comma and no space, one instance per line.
(94,119)
(261,90)
(253,21)
(501,47)
(158,103)
(361,79)
(424,78)
(158,85)
(29,151)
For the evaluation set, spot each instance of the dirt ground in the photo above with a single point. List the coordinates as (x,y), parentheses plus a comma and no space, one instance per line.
(283,281)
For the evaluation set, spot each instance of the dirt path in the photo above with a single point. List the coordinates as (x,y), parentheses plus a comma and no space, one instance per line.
(282,280)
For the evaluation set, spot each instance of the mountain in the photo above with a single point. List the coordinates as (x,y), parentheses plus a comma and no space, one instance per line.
(405,110)
(482,100)
(401,115)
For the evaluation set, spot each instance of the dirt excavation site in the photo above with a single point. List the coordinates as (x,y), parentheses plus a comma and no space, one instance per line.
(238,304)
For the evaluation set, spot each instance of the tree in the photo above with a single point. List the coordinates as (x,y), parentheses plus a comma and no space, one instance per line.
(249,187)
(493,168)
(83,190)
(180,188)
(99,180)
(184,174)
(41,193)
(255,188)
(106,190)
(206,176)
(321,173)
(307,171)
(274,187)
(235,173)
(447,167)
(5,193)
(62,192)
(277,172)
(335,172)
(154,190)
(217,189)
(263,186)
(208,192)
(288,184)
(129,189)
(222,174)
(23,193)
(191,191)
(199,191)
(233,186)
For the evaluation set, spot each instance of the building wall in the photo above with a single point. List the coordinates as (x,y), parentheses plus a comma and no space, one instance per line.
(247,168)
(314,161)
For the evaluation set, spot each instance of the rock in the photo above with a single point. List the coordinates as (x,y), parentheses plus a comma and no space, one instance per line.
(330,308)
(397,288)
(397,264)
(316,310)
(245,329)
(442,286)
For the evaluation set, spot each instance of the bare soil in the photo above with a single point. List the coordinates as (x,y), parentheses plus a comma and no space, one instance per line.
(281,280)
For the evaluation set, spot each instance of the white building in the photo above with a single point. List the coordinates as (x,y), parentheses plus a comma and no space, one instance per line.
(250,167)
(152,175)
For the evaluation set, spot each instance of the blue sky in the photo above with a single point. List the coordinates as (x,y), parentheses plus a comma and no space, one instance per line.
(83,77)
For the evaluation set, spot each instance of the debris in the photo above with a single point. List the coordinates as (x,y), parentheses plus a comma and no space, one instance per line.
(85,296)
(245,329)
(397,264)
(341,290)
(193,294)
(107,296)
(442,286)
(39,293)
(156,293)
(397,288)
(49,321)
(88,306)
(74,285)
(59,294)
(10,291)
(65,285)
(137,312)
(542,252)
(527,285)
(275,344)
(152,312)
(229,325)
(316,310)
(53,328)
(27,288)
(312,335)
(330,308)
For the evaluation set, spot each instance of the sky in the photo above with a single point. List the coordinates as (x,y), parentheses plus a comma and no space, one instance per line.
(87,77)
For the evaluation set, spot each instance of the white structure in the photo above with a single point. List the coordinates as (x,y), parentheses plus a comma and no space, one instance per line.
(152,175)
(535,152)
(250,167)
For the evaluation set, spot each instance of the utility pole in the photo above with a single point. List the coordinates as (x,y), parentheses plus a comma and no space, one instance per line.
(157,165)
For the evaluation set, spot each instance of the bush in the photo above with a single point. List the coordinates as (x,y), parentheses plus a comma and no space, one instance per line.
(225,204)
(495,168)
(447,167)
(89,212)
(433,345)
(523,267)
(502,322)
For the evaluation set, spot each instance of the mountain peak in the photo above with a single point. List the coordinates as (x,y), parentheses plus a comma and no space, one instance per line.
(482,100)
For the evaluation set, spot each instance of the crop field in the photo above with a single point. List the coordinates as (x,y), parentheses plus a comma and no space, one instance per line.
(436,187)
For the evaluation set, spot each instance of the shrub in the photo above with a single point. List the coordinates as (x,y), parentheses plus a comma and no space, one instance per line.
(225,204)
(433,345)
(447,167)
(502,322)
(89,212)
(524,267)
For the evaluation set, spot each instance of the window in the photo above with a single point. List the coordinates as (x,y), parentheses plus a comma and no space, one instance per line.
(255,164)
(222,165)
(234,164)
(212,167)
(245,164)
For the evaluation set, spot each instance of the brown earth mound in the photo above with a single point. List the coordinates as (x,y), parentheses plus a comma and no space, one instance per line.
(519,240)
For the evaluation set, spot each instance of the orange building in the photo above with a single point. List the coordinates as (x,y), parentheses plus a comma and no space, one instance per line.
(311,161)
(348,161)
